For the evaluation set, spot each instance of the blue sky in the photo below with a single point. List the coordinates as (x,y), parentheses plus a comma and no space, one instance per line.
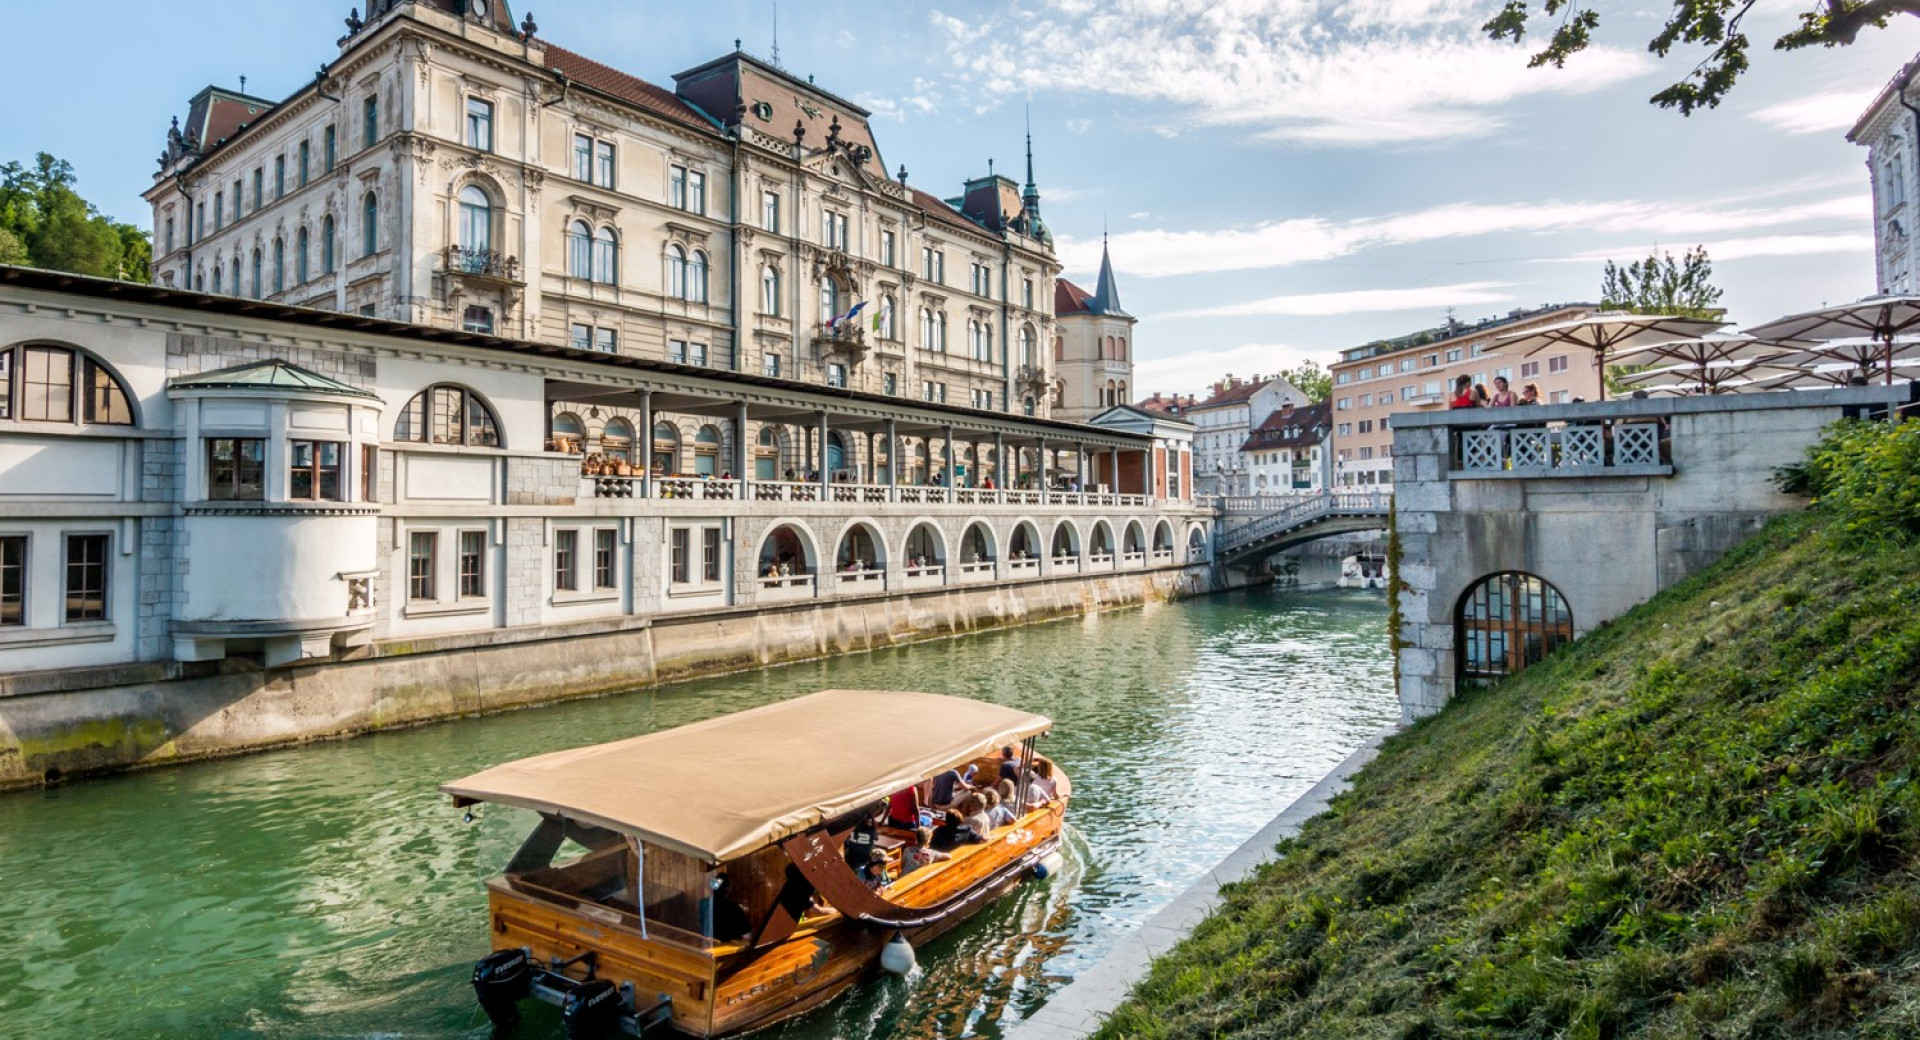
(1281,178)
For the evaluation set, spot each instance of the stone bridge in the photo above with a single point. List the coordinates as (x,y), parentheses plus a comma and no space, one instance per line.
(1516,537)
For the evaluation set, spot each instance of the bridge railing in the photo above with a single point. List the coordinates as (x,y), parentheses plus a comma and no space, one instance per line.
(1629,446)
(1329,503)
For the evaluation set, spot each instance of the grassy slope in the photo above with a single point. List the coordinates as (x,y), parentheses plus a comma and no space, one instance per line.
(1697,822)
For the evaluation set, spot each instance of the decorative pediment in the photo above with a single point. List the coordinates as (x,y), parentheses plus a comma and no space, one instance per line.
(687,233)
(591,208)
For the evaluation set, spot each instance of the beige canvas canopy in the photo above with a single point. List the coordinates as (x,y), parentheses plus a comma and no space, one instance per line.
(725,787)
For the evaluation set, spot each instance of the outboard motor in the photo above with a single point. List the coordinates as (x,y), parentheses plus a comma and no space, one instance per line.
(502,980)
(592,1010)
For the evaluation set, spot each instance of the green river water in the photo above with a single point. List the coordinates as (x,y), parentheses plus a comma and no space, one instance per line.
(329,891)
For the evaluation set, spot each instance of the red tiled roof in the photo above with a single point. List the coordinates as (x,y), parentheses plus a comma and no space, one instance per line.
(1309,422)
(1068,298)
(1234,395)
(943,212)
(632,89)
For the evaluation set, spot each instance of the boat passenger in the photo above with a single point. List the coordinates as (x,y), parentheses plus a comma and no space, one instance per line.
(946,787)
(903,809)
(861,841)
(999,814)
(1009,769)
(873,873)
(1041,787)
(954,831)
(729,918)
(973,810)
(921,853)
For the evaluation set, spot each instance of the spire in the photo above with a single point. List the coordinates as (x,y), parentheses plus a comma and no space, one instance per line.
(1106,292)
(1033,191)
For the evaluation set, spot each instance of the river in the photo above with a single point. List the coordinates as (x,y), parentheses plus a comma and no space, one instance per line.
(329,891)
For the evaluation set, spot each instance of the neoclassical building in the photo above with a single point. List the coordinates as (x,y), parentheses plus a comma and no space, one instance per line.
(450,167)
(1093,348)
(1890,131)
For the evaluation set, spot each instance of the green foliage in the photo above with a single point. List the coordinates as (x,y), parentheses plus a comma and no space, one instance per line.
(45,223)
(1661,285)
(1710,24)
(1699,821)
(1311,379)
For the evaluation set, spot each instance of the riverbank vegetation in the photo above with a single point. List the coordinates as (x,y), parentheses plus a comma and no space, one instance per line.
(1699,821)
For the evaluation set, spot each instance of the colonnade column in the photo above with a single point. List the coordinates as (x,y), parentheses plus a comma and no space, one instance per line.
(826,477)
(1000,462)
(893,462)
(1042,462)
(1080,467)
(646,443)
(1113,466)
(948,452)
(740,456)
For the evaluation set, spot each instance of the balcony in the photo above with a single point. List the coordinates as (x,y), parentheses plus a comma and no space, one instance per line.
(1031,379)
(486,266)
(847,339)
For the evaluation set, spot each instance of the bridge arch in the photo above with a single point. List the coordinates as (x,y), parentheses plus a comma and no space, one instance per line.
(1507,621)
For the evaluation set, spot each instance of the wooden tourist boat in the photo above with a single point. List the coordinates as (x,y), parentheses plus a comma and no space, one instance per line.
(736,825)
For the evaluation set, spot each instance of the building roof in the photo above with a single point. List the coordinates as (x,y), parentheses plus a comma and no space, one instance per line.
(1106,291)
(1453,330)
(1224,396)
(1160,404)
(1300,428)
(1118,411)
(1069,298)
(944,213)
(269,375)
(631,89)
(1887,94)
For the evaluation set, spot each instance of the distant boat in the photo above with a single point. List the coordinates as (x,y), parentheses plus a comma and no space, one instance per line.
(712,891)
(1364,570)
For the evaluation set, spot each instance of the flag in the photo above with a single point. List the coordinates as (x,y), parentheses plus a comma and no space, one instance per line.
(849,316)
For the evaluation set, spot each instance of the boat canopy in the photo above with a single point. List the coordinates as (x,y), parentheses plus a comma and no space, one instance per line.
(728,786)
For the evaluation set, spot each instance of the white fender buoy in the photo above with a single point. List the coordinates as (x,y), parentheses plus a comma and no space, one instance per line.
(1049,865)
(897,955)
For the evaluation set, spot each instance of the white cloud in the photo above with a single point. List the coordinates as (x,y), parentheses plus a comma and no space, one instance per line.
(1744,248)
(1194,371)
(1361,301)
(1335,72)
(1818,113)
(1679,223)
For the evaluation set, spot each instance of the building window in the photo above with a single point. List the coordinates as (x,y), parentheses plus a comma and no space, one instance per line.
(677,351)
(169,234)
(710,554)
(1366,426)
(480,124)
(583,158)
(1560,397)
(770,212)
(680,550)
(603,163)
(236,469)
(579,250)
(315,474)
(305,165)
(300,245)
(933,264)
(258,285)
(687,189)
(769,292)
(982,280)
(887,248)
(770,365)
(1453,355)
(86,591)
(326,244)
(1557,363)
(50,378)
(833,230)
(890,384)
(606,257)
(696,288)
(478,319)
(581,337)
(606,572)
(473,564)
(279,176)
(369,121)
(606,341)
(422,549)
(836,374)
(1343,404)
(279,265)
(447,414)
(369,224)
(329,149)
(476,220)
(829,299)
(369,471)
(219,210)
(565,544)
(1026,293)
(13,579)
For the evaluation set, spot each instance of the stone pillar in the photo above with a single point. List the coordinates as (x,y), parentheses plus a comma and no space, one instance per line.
(1113,467)
(645,437)
(1000,460)
(946,451)
(893,461)
(740,456)
(1042,453)
(826,478)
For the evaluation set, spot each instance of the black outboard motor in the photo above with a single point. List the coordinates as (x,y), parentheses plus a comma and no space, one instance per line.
(591,1011)
(502,980)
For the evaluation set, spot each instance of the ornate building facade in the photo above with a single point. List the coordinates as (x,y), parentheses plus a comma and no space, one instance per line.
(452,168)
(1890,131)
(1093,347)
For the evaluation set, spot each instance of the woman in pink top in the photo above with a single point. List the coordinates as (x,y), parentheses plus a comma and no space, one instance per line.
(1502,395)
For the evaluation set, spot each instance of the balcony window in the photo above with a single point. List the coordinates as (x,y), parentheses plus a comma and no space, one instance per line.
(476,220)
(769,292)
(477,319)
(480,124)
(887,248)
(836,374)
(770,365)
(447,414)
(606,259)
(579,250)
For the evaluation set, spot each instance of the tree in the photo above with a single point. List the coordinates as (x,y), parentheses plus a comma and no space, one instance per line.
(1311,380)
(1712,23)
(1659,285)
(44,222)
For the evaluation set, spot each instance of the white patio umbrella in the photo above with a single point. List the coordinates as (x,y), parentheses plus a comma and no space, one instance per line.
(1607,331)
(1855,355)
(1878,318)
(1821,376)
(1715,363)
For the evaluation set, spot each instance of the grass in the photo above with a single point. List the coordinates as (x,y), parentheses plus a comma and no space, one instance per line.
(1699,821)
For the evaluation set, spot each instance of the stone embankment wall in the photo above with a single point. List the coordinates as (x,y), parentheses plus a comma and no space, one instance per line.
(56,725)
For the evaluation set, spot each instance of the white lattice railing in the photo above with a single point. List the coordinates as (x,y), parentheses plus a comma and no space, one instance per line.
(1574,450)
(1066,563)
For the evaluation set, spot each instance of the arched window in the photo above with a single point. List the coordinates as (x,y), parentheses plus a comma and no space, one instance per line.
(326,244)
(369,224)
(259,284)
(279,265)
(676,272)
(836,452)
(1063,547)
(923,547)
(666,449)
(448,414)
(606,257)
(1025,543)
(46,383)
(940,331)
(697,277)
(217,269)
(476,220)
(786,553)
(829,299)
(300,247)
(1508,621)
(568,436)
(1122,399)
(579,250)
(706,451)
(886,317)
(616,440)
(1026,347)
(1060,393)
(236,274)
(766,454)
(1059,348)
(976,546)
(926,329)
(859,551)
(1120,347)
(769,291)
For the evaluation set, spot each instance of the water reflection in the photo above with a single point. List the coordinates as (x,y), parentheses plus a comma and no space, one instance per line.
(328,891)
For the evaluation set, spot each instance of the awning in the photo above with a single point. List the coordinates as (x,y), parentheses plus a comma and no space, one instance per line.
(725,787)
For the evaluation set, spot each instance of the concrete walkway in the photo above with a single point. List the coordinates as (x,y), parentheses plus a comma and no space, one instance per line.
(1079,1008)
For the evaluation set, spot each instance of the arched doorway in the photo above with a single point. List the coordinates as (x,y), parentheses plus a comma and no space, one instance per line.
(786,557)
(1066,544)
(1506,622)
(976,549)
(925,551)
(861,554)
(836,455)
(1023,548)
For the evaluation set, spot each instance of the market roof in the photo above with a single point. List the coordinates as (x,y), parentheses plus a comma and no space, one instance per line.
(723,788)
(269,375)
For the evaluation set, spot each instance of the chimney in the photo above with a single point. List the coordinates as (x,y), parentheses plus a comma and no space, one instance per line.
(1286,407)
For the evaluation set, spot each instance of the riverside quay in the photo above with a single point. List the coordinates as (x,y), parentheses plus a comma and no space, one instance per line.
(229,523)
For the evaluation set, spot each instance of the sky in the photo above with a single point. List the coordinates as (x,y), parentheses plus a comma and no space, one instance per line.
(1277,179)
